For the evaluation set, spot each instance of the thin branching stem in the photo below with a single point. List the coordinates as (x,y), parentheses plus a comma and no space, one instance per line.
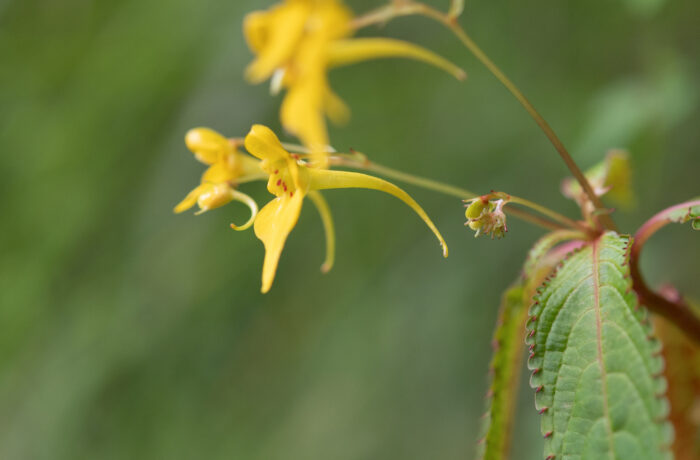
(580,226)
(406,7)
(555,220)
(357,160)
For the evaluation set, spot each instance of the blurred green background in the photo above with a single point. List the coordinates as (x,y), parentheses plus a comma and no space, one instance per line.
(130,332)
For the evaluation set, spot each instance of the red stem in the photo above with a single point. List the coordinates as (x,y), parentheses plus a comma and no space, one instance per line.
(675,310)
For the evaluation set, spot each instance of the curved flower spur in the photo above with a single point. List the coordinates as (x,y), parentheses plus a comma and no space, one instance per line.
(579,312)
(291,180)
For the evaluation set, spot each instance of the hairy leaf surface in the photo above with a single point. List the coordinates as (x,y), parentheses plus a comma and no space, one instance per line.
(596,367)
(537,256)
(508,344)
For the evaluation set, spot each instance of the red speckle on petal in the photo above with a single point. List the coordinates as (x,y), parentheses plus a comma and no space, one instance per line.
(291,194)
(276,171)
(279,181)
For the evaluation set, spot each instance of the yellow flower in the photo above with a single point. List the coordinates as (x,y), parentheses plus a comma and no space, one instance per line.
(227,166)
(291,180)
(296,42)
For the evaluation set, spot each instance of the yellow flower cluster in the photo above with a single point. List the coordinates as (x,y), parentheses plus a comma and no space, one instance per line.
(295,44)
(226,166)
(290,180)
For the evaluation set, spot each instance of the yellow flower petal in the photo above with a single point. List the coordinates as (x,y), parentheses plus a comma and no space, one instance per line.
(331,19)
(249,166)
(264,144)
(282,168)
(328,228)
(248,201)
(207,145)
(256,30)
(302,115)
(285,27)
(272,226)
(335,108)
(189,201)
(328,179)
(343,52)
(218,172)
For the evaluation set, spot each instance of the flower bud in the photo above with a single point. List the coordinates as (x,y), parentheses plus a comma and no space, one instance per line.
(475,224)
(475,209)
(214,196)
(487,218)
(206,144)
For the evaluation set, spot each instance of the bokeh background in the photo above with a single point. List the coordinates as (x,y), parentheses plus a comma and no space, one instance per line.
(129,332)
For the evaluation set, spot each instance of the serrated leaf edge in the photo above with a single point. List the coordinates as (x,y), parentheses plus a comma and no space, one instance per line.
(640,313)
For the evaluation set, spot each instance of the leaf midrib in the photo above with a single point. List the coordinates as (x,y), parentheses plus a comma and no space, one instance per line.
(599,333)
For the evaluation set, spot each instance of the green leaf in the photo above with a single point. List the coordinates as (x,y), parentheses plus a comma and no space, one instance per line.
(596,367)
(505,369)
(508,343)
(683,215)
(611,177)
(538,253)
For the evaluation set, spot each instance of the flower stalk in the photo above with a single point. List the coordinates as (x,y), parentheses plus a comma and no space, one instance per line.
(406,8)
(555,221)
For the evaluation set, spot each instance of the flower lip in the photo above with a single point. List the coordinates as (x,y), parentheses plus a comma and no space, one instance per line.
(291,180)
(281,166)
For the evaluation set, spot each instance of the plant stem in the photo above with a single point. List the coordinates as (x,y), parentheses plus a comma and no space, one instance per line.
(534,219)
(408,8)
(549,213)
(660,220)
(675,310)
(357,160)
(421,181)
